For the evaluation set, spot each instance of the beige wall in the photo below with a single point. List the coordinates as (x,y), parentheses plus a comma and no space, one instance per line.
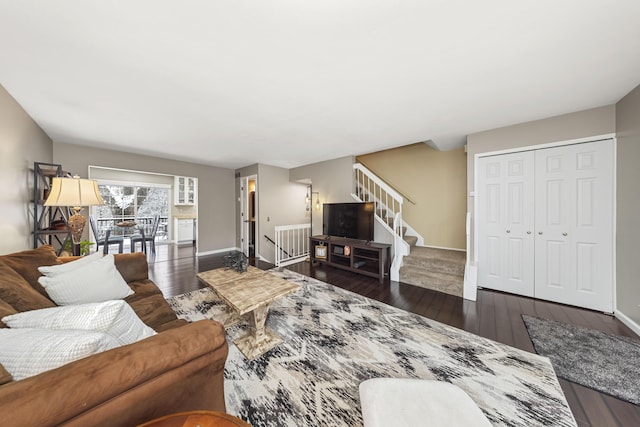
(333,179)
(435,181)
(22,143)
(581,124)
(628,205)
(216,198)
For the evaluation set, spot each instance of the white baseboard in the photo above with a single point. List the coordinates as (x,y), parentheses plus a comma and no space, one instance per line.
(217,251)
(627,321)
(442,247)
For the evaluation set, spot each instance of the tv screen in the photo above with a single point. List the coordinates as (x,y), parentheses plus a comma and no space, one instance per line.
(351,220)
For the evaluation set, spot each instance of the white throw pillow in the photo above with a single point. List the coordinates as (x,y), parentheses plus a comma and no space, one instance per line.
(28,352)
(96,281)
(115,318)
(55,270)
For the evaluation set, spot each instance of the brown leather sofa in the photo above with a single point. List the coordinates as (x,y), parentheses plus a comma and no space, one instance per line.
(179,369)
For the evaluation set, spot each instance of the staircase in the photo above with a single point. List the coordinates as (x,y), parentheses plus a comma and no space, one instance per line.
(438,269)
(388,211)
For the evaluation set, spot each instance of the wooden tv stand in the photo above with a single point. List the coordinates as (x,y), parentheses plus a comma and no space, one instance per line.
(368,258)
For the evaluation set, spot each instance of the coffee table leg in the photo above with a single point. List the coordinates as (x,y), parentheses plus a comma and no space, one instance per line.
(260,339)
(230,318)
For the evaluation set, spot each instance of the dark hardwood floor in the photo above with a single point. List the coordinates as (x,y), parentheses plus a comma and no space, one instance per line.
(494,315)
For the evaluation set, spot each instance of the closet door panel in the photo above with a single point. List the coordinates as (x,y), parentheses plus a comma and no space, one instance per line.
(505,191)
(574,225)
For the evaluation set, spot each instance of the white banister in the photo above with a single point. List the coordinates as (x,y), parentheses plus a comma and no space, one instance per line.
(388,208)
(364,172)
(292,243)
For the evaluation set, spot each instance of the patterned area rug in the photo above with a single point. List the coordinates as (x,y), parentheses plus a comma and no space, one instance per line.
(604,362)
(335,339)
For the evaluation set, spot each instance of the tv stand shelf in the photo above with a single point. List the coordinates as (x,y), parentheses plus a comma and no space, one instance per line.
(368,258)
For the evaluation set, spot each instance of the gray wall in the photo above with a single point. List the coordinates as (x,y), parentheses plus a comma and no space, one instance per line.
(22,143)
(628,205)
(278,202)
(333,179)
(216,198)
(281,202)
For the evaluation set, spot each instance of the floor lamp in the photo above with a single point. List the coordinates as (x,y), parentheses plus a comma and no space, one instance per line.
(75,193)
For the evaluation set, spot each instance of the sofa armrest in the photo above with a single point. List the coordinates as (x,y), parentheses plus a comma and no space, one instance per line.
(126,385)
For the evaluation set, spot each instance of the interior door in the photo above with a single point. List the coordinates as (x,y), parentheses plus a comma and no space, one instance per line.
(505,194)
(574,225)
(244,226)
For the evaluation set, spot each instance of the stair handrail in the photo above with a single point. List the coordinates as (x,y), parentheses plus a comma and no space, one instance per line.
(402,194)
(270,240)
(373,177)
(383,195)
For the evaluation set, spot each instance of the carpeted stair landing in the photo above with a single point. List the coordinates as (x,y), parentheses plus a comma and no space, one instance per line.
(438,269)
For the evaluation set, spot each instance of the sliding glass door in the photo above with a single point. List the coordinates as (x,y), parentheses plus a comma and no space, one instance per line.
(132,202)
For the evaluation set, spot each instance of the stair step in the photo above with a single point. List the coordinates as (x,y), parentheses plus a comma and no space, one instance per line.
(441,266)
(438,269)
(441,260)
(442,282)
(411,240)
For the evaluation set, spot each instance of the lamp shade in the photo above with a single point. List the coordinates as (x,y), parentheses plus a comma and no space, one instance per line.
(75,192)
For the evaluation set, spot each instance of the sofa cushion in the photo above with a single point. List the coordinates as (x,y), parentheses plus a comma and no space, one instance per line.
(93,282)
(153,310)
(16,291)
(27,352)
(26,264)
(132,266)
(115,318)
(5,376)
(142,289)
(5,310)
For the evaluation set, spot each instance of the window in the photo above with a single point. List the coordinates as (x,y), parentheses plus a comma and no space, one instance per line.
(134,202)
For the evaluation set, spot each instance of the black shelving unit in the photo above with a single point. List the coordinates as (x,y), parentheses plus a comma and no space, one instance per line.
(49,222)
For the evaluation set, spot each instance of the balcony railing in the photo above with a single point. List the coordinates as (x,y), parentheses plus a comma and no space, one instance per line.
(144,222)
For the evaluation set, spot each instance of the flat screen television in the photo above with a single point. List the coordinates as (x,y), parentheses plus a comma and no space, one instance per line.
(351,220)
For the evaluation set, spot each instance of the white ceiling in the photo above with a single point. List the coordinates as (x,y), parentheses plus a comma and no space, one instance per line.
(292,82)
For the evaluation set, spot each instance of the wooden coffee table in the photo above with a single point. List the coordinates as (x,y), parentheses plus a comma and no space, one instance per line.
(251,293)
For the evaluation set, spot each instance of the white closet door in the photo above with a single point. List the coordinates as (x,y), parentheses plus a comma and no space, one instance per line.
(505,194)
(574,225)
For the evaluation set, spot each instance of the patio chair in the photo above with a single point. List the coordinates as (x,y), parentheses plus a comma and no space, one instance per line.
(107,239)
(143,238)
